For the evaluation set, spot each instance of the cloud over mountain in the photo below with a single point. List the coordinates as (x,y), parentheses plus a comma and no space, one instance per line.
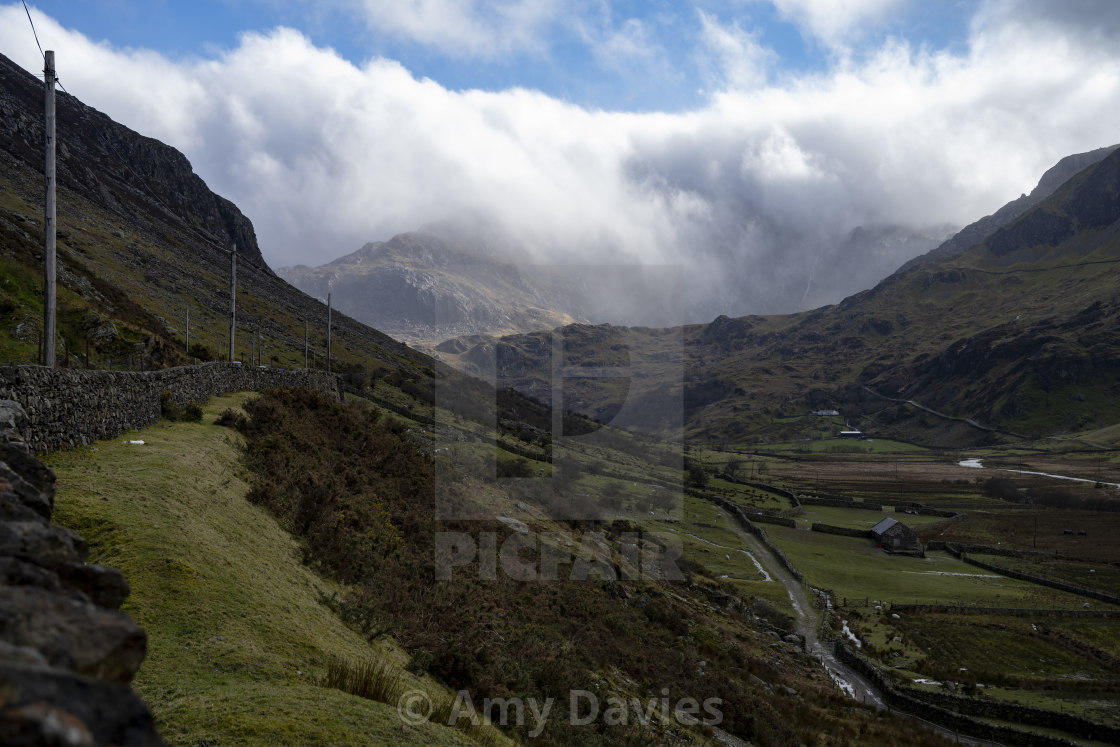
(751,193)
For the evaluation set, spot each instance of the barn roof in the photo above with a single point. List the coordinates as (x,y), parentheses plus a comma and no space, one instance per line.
(883,525)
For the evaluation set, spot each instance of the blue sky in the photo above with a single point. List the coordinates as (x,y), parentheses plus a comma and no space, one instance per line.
(742,140)
(633,55)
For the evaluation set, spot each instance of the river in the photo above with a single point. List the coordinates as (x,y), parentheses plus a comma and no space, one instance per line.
(979,464)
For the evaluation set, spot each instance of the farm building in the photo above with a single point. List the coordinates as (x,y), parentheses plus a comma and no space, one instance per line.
(825,413)
(895,537)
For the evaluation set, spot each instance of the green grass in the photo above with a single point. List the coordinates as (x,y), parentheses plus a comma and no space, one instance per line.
(853,567)
(749,496)
(857,518)
(1100,576)
(238,636)
(1015,658)
(1003,646)
(708,537)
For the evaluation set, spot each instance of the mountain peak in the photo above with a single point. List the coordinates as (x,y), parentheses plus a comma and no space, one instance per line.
(974,233)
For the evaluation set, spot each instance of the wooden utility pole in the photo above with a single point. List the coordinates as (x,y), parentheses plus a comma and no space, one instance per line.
(232,300)
(328,332)
(49,228)
(305,343)
(187,334)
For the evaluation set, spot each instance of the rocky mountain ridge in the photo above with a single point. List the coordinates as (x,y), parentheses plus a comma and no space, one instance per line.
(1051,180)
(132,176)
(422,288)
(142,241)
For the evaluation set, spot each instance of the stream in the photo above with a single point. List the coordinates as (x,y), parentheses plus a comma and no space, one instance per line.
(979,464)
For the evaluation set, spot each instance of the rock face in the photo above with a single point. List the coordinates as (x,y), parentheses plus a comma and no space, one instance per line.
(67,653)
(157,187)
(424,289)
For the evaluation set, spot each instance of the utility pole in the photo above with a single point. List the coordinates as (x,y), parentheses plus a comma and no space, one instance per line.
(49,227)
(305,343)
(328,332)
(187,334)
(232,299)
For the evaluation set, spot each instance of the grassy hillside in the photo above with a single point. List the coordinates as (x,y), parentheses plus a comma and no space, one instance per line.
(239,637)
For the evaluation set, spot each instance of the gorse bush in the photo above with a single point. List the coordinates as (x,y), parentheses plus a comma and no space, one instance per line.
(231,418)
(172,410)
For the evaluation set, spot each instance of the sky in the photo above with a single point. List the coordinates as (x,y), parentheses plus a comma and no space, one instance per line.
(740,140)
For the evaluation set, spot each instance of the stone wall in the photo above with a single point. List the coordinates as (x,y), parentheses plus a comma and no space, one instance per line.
(67,653)
(920,509)
(737,511)
(808,500)
(71,407)
(957,548)
(845,531)
(951,519)
(1060,585)
(961,609)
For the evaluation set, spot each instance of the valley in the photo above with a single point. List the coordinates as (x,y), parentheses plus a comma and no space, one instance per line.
(889,520)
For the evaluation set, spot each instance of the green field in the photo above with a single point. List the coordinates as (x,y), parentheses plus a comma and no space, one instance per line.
(1015,659)
(709,538)
(1100,576)
(853,567)
(857,518)
(748,496)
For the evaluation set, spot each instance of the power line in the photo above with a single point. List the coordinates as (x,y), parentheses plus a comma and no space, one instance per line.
(28,12)
(40,46)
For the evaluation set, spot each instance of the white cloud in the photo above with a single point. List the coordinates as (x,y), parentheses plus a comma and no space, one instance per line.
(832,21)
(742,61)
(747,192)
(467,28)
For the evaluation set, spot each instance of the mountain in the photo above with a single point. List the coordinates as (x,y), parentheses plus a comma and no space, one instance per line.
(142,241)
(1014,336)
(424,287)
(973,234)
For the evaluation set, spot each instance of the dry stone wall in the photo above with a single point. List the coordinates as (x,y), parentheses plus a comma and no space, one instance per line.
(844,531)
(737,511)
(1060,585)
(71,407)
(67,653)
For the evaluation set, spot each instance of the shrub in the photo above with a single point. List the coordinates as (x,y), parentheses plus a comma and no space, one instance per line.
(173,411)
(231,418)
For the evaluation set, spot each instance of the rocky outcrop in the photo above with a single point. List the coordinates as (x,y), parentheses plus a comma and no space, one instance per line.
(67,653)
(137,178)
